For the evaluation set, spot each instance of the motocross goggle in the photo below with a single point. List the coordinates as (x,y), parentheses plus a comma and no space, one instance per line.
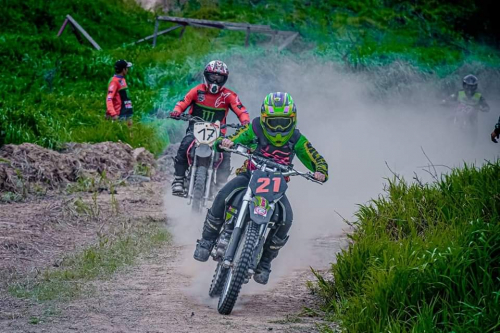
(279,124)
(471,88)
(216,78)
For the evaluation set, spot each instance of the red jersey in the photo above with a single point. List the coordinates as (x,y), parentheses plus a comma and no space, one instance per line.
(117,101)
(212,107)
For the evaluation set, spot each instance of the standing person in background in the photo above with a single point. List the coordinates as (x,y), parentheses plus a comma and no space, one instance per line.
(118,103)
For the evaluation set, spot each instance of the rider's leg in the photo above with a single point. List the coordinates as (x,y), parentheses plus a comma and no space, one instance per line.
(275,243)
(181,164)
(215,217)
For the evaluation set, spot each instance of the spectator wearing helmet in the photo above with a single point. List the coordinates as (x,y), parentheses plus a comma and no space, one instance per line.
(276,137)
(210,101)
(118,103)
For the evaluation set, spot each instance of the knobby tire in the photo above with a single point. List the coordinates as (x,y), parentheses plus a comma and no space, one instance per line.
(242,263)
(200,179)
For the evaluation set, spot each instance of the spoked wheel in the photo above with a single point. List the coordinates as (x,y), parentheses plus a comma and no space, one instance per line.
(200,179)
(238,273)
(218,280)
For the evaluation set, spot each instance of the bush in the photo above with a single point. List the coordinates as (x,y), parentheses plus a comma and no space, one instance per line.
(423,258)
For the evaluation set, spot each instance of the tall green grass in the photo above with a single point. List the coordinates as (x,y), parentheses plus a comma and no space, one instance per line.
(423,258)
(52,90)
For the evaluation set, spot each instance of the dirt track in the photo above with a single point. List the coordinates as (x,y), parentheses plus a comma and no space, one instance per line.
(167,291)
(156,297)
(160,295)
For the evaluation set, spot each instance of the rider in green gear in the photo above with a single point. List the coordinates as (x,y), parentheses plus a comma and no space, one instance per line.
(469,95)
(275,136)
(469,103)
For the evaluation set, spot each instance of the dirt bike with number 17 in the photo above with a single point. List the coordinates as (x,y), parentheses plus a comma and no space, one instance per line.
(203,161)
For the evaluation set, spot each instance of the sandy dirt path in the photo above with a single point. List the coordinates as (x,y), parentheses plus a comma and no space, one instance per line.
(160,294)
(167,291)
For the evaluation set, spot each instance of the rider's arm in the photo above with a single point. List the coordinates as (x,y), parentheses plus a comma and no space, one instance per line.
(239,109)
(243,136)
(483,105)
(110,108)
(310,156)
(451,98)
(184,103)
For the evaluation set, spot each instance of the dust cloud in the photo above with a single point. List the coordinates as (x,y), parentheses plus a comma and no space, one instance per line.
(367,125)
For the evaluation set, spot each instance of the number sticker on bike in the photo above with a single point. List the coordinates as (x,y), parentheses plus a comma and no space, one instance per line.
(206,133)
(265,184)
(269,185)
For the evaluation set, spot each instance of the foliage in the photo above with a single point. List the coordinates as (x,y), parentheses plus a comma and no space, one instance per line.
(94,262)
(52,90)
(423,258)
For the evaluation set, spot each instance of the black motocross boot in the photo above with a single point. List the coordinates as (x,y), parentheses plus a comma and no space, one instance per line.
(211,229)
(178,186)
(271,250)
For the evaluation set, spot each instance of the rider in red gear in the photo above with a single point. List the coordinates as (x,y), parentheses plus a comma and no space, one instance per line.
(210,101)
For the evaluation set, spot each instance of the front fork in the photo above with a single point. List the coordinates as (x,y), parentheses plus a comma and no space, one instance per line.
(191,179)
(238,228)
(209,178)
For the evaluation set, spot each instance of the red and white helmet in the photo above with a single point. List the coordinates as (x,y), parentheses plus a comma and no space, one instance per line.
(215,75)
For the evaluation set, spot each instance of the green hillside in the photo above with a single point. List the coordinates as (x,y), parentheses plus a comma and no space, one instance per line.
(52,89)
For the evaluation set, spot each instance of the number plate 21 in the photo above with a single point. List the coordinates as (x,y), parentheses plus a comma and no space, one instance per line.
(269,185)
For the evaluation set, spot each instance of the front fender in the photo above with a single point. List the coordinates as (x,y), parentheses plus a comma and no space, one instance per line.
(203,151)
(261,210)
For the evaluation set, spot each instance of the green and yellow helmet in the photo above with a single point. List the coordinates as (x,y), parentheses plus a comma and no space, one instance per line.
(278,117)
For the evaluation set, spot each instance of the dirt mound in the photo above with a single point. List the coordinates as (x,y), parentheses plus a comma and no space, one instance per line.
(27,166)
(166,161)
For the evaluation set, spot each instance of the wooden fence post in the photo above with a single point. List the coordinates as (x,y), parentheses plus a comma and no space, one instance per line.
(247,39)
(182,31)
(62,27)
(156,32)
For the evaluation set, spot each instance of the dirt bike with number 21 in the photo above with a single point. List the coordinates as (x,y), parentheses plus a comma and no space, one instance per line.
(252,216)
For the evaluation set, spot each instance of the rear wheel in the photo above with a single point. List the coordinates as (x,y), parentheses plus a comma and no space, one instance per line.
(200,179)
(218,280)
(238,273)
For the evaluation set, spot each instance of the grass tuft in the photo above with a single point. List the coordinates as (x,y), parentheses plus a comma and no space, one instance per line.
(95,262)
(423,258)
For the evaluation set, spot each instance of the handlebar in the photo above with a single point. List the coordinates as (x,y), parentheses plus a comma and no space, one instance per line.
(187,117)
(266,164)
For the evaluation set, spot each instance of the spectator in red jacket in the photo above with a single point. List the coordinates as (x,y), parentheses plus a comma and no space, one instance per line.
(118,103)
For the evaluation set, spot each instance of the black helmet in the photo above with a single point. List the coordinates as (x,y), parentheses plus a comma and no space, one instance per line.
(470,84)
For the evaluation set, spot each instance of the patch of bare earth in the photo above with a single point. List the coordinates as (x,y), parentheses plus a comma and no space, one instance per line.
(161,293)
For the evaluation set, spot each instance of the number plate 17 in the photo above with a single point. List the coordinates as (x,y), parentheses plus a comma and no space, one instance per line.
(206,133)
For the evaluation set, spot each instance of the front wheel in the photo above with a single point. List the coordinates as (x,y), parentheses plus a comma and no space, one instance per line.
(200,179)
(218,280)
(238,273)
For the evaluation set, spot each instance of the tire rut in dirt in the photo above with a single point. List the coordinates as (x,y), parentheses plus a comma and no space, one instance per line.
(200,179)
(218,281)
(235,281)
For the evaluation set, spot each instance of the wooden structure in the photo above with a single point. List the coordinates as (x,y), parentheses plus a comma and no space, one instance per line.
(248,28)
(78,31)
